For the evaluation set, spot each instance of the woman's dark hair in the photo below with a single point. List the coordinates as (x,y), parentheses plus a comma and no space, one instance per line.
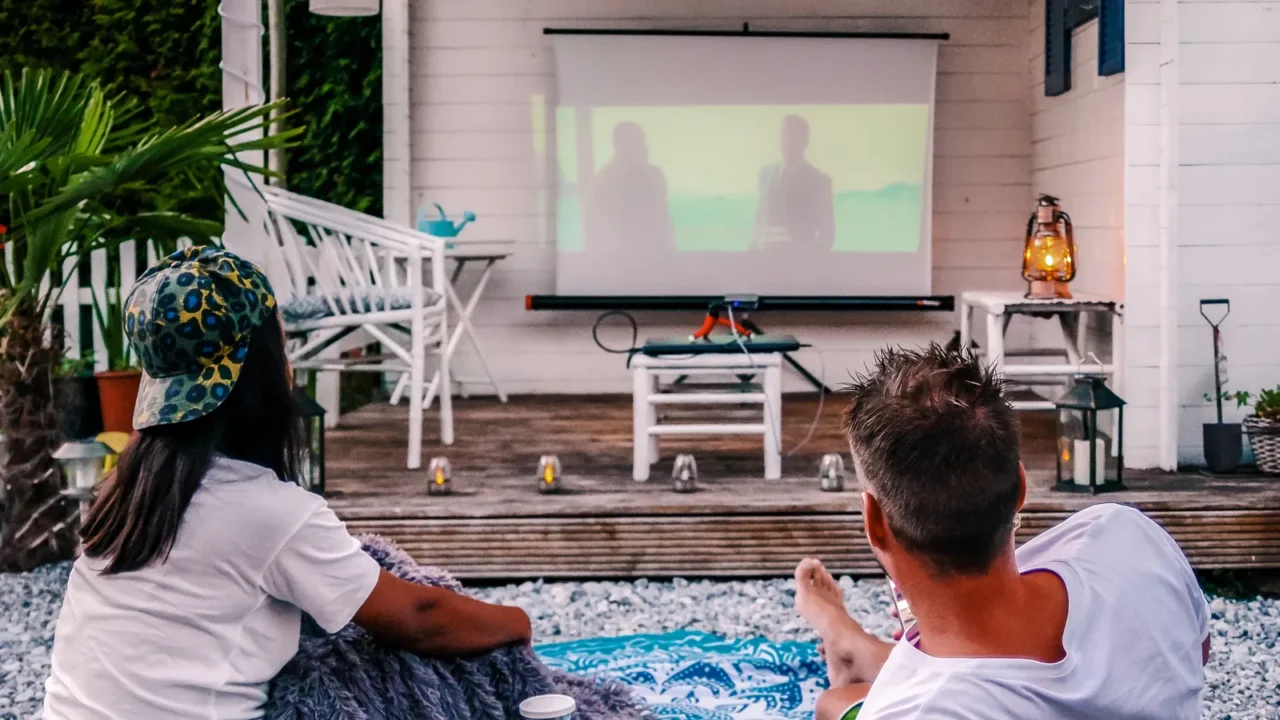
(136,517)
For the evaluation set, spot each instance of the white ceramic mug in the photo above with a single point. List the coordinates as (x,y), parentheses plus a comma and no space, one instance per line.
(548,707)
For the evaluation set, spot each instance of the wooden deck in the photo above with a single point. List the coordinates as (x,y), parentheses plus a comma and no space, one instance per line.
(606,525)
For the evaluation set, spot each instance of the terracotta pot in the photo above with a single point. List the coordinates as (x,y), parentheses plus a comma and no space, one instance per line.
(118,392)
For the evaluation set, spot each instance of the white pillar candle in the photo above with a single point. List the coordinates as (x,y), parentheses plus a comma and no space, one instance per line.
(1081,467)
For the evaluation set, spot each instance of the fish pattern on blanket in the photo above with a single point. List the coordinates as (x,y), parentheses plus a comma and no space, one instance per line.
(689,675)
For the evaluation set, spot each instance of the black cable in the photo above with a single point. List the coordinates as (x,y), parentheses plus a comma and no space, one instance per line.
(635,333)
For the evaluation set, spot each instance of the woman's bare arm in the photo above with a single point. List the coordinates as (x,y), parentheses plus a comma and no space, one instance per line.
(435,622)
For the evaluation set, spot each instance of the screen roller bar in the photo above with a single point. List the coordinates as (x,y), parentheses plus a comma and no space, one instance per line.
(928,303)
(747,32)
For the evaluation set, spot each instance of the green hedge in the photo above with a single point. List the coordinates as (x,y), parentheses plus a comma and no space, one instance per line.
(166,54)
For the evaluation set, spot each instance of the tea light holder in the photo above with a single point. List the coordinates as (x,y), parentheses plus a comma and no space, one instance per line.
(548,474)
(439,477)
(684,474)
(831,472)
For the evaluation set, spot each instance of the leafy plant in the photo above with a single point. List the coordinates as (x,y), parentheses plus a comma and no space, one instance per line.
(1267,406)
(109,314)
(1241,397)
(75,366)
(73,161)
(77,168)
(132,48)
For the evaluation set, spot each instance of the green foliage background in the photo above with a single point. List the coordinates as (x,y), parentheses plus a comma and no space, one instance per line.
(166,54)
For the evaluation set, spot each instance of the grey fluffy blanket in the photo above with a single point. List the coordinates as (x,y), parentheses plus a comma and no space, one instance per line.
(349,676)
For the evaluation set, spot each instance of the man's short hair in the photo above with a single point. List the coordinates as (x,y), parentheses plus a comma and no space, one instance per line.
(936,443)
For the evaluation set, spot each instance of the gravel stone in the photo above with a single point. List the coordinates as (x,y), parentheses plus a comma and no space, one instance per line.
(1243,676)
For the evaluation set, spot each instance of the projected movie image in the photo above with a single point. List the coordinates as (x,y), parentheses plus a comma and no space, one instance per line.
(803,179)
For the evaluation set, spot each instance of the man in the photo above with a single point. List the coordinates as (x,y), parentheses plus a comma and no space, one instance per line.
(628,210)
(795,205)
(1099,617)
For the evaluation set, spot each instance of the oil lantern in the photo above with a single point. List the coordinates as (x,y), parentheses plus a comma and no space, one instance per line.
(1089,459)
(312,415)
(1049,257)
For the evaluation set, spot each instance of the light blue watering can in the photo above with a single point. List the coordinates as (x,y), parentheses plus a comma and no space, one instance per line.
(442,227)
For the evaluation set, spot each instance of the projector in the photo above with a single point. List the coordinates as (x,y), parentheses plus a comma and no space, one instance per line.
(742,302)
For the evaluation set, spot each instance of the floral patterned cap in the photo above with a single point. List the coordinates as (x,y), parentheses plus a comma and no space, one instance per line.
(189,319)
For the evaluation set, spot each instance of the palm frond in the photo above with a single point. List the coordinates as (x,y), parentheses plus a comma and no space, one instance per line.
(208,140)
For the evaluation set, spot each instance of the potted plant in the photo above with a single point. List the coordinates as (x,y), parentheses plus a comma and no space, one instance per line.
(80,168)
(76,393)
(118,384)
(1263,427)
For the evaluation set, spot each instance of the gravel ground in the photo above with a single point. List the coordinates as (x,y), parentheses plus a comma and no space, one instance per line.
(1243,674)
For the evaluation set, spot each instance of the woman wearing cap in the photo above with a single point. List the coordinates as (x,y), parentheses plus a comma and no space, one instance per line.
(200,553)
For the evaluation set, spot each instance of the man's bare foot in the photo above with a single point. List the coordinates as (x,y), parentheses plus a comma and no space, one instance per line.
(818,598)
(852,654)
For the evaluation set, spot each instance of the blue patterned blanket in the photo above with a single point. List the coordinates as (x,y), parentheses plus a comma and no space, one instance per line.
(688,675)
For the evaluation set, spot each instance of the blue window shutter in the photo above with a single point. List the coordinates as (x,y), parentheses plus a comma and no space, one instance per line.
(1111,37)
(1057,48)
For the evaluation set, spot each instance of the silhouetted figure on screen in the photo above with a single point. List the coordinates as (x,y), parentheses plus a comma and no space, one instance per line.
(794,209)
(627,209)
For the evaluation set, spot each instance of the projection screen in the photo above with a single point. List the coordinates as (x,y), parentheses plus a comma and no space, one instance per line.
(713,164)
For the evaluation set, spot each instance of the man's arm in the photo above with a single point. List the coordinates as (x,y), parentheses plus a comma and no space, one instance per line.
(435,622)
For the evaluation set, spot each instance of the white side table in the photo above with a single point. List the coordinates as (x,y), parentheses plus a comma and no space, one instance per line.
(1073,316)
(649,393)
(486,254)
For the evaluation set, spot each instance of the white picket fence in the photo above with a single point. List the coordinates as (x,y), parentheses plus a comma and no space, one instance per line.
(75,296)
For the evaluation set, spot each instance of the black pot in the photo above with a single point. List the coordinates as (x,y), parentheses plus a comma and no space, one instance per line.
(79,412)
(1223,446)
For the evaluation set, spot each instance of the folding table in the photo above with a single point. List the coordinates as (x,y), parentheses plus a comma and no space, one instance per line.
(486,254)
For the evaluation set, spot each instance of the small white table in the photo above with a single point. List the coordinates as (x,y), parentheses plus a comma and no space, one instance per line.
(485,253)
(648,393)
(1073,318)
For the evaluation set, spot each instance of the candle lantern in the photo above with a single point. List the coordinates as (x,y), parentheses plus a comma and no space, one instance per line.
(548,474)
(831,472)
(439,477)
(1049,256)
(684,474)
(312,413)
(1089,458)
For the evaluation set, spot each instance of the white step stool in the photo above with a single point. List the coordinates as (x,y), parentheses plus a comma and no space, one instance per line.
(648,393)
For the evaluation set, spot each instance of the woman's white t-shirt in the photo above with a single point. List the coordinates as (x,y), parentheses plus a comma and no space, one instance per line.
(200,634)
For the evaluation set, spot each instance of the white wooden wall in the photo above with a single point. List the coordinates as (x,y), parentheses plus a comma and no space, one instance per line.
(476,65)
(1077,155)
(1202,194)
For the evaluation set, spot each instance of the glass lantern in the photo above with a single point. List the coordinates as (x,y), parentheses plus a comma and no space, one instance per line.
(1049,254)
(831,473)
(312,413)
(439,477)
(548,474)
(684,474)
(1090,437)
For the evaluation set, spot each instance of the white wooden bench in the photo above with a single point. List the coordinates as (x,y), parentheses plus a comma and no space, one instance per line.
(649,394)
